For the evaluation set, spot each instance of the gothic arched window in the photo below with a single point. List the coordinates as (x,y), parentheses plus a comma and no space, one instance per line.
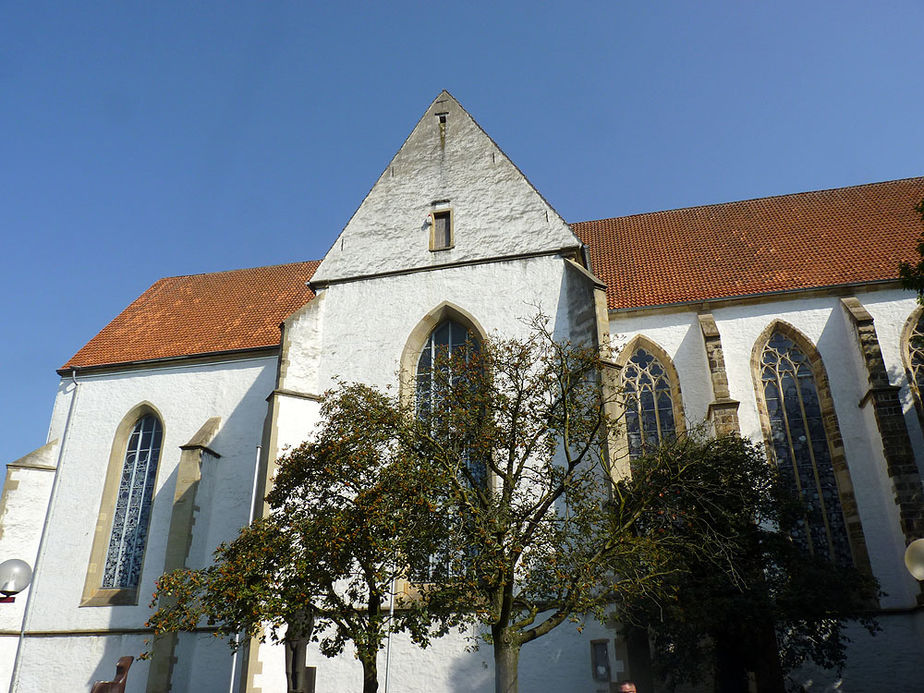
(913,354)
(450,340)
(651,400)
(798,442)
(132,512)
(447,343)
(439,368)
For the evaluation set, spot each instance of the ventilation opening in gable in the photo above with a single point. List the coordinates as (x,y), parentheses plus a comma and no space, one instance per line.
(441,118)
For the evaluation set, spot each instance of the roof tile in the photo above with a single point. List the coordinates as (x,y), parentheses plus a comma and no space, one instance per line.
(200,314)
(790,242)
(807,240)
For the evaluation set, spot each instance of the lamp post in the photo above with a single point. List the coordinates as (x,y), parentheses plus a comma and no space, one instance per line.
(15,576)
(914,559)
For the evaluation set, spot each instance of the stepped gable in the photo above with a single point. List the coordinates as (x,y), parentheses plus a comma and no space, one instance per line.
(806,240)
(201,314)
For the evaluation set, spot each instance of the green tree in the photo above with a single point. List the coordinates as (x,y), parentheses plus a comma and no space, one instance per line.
(764,603)
(518,435)
(347,513)
(912,276)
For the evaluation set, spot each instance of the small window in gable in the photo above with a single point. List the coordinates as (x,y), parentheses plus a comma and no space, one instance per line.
(441,230)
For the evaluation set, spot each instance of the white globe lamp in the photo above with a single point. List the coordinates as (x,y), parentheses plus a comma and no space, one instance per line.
(15,576)
(914,558)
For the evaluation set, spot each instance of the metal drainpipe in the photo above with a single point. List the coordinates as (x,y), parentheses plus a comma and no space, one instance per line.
(391,618)
(37,573)
(250,516)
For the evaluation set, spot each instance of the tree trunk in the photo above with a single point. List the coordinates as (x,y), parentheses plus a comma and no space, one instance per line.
(767,668)
(638,652)
(731,676)
(506,661)
(370,673)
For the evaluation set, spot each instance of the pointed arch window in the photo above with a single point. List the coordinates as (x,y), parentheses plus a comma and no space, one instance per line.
(651,401)
(799,444)
(449,343)
(119,540)
(132,512)
(446,344)
(913,353)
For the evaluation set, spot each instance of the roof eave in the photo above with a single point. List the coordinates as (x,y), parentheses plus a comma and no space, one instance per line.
(753,297)
(228,355)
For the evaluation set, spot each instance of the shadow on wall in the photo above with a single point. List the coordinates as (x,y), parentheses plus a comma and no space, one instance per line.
(114,649)
(695,383)
(474,670)
(222,501)
(575,317)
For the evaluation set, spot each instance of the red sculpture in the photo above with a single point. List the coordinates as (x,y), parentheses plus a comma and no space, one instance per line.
(117,685)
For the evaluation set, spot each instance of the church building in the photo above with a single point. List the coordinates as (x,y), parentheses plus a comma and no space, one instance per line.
(780,318)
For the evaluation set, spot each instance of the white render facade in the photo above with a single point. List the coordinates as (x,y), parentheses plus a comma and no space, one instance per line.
(386,282)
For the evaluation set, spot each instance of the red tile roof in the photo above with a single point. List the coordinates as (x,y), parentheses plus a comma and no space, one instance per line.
(813,239)
(202,314)
(808,240)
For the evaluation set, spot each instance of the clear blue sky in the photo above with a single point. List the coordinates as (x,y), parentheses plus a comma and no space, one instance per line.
(141,140)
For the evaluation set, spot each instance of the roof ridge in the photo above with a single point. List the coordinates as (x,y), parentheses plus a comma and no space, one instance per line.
(238,269)
(750,199)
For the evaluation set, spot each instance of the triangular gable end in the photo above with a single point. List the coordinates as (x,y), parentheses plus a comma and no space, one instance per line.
(449,196)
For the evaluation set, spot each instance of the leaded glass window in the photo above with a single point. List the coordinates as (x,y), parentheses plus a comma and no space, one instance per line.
(133,505)
(649,403)
(916,357)
(800,447)
(448,343)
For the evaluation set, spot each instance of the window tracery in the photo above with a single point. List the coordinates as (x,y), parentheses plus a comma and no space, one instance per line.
(447,344)
(914,355)
(649,402)
(131,515)
(799,444)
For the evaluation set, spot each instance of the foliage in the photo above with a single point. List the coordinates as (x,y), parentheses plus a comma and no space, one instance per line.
(912,276)
(518,438)
(742,581)
(347,514)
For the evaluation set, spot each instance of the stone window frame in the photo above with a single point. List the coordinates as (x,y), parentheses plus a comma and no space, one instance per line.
(93,593)
(907,331)
(442,209)
(855,536)
(640,341)
(418,337)
(408,590)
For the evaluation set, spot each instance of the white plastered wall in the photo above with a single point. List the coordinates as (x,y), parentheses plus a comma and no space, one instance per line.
(823,321)
(186,397)
(22,515)
(357,331)
(678,334)
(496,211)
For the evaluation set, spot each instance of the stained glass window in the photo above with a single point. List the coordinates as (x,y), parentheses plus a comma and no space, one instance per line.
(447,343)
(133,505)
(649,402)
(800,447)
(916,357)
